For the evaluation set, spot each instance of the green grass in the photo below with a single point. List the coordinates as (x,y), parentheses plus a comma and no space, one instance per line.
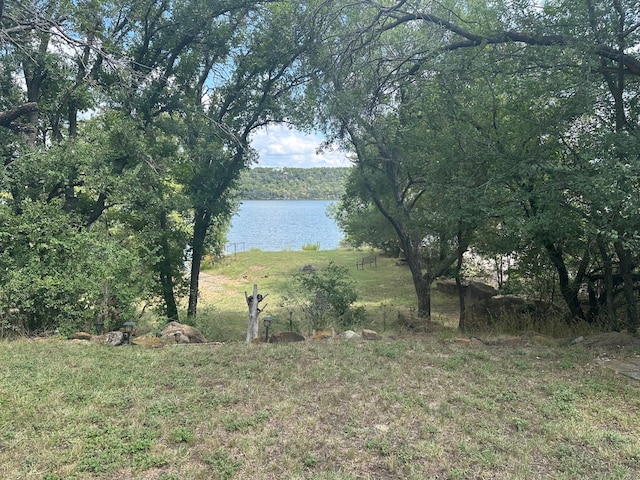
(417,407)
(414,406)
(384,291)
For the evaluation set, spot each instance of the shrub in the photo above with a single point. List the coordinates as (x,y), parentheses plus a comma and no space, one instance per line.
(329,294)
(57,276)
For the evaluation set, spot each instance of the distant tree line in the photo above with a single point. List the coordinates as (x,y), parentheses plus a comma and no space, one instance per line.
(267,183)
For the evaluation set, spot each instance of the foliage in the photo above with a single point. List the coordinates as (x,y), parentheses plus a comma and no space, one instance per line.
(329,294)
(263,183)
(497,127)
(59,277)
(508,127)
(362,222)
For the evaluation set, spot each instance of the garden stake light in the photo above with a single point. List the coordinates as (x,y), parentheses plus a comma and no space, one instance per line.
(99,326)
(267,323)
(128,330)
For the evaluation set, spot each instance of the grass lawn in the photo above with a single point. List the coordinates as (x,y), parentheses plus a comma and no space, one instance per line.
(386,291)
(415,406)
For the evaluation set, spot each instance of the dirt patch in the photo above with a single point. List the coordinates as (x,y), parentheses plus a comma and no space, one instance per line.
(212,282)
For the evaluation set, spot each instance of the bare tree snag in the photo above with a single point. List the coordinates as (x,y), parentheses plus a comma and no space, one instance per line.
(252,302)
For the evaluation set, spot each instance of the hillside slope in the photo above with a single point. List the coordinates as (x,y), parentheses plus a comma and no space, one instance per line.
(263,183)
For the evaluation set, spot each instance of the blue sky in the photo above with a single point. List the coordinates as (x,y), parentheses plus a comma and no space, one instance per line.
(279,146)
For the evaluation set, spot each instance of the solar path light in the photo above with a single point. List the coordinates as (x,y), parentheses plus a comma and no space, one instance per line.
(128,330)
(267,323)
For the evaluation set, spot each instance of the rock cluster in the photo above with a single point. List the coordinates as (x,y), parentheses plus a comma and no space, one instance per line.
(172,333)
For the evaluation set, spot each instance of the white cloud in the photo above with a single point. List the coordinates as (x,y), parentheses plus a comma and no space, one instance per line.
(279,146)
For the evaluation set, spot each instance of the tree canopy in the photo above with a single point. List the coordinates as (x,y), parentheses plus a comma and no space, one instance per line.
(509,128)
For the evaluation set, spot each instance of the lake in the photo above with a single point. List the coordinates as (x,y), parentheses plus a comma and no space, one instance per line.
(274,225)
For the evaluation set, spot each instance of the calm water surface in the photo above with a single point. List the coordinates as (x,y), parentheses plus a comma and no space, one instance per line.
(274,225)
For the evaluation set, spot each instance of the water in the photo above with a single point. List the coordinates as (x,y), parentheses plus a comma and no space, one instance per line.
(274,225)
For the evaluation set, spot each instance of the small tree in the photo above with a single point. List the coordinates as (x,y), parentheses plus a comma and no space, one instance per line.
(328,296)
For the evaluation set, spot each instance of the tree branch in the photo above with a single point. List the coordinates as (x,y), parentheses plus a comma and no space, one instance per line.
(11,115)
(630,63)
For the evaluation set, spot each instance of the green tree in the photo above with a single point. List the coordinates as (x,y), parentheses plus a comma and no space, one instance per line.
(398,157)
(558,105)
(263,81)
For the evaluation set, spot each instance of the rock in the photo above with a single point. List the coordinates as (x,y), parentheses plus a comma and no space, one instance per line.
(477,291)
(286,337)
(578,340)
(188,334)
(323,334)
(371,335)
(500,305)
(611,339)
(82,336)
(493,308)
(351,335)
(148,341)
(448,286)
(114,338)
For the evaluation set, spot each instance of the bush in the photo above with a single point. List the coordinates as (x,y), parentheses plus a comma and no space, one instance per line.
(328,295)
(57,276)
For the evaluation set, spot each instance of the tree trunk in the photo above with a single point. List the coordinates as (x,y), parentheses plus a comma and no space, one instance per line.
(201,225)
(608,283)
(166,277)
(569,292)
(461,303)
(421,285)
(627,287)
(461,249)
(252,302)
(423,290)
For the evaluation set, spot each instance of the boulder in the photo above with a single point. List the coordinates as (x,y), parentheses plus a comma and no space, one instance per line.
(477,291)
(448,286)
(323,334)
(286,337)
(82,336)
(371,335)
(188,334)
(113,338)
(149,341)
(521,313)
(496,307)
(351,335)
